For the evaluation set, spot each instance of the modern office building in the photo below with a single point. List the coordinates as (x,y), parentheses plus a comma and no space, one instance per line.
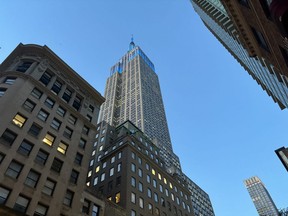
(260,197)
(254,37)
(48,124)
(133,93)
(126,168)
(282,154)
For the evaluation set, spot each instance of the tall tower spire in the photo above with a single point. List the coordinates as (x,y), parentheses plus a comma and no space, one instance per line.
(132,44)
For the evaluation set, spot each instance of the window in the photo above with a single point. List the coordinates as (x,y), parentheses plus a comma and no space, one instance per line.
(45,78)
(150,208)
(41,157)
(260,39)
(36,93)
(149,193)
(85,130)
(140,186)
(117,197)
(95,181)
(111,172)
(139,160)
(77,103)
(141,202)
(61,111)
(68,132)
(133,155)
(161,188)
(74,176)
(147,166)
(153,172)
(133,167)
(21,204)
(78,158)
(133,182)
(86,206)
(118,180)
(23,67)
(57,165)
(133,213)
(95,210)
(119,167)
(10,80)
(55,124)
(49,139)
(67,95)
(133,197)
(68,198)
(154,183)
(89,118)
(148,178)
(56,88)
(14,169)
(119,155)
(104,164)
(82,143)
(29,105)
(8,137)
(140,173)
(4,193)
(162,201)
(49,102)
(41,210)
(25,148)
(32,178)
(43,115)
(49,187)
(2,156)
(62,148)
(156,197)
(157,212)
(102,177)
(72,119)
(2,91)
(97,169)
(19,120)
(112,159)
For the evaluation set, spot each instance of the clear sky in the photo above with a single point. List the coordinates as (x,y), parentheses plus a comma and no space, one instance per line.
(222,125)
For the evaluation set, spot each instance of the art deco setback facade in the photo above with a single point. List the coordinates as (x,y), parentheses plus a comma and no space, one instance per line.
(126,168)
(48,121)
(249,32)
(260,197)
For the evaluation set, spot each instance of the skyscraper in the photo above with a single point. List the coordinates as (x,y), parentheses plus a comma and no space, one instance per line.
(246,29)
(260,197)
(133,93)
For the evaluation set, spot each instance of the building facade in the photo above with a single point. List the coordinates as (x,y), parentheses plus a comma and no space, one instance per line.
(127,169)
(48,122)
(282,154)
(249,32)
(260,197)
(133,93)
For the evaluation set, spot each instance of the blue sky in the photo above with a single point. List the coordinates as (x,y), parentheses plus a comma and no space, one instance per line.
(222,125)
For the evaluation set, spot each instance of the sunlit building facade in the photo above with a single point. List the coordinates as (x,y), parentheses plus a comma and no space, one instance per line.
(260,197)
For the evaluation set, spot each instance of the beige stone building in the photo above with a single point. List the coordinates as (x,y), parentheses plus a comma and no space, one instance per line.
(48,117)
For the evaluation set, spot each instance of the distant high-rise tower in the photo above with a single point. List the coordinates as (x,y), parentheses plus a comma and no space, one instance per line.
(260,197)
(246,29)
(133,93)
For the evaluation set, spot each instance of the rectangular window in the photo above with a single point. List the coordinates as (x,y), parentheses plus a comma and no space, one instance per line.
(55,124)
(244,2)
(25,148)
(68,132)
(49,139)
(19,120)
(23,66)
(29,105)
(21,204)
(72,119)
(8,137)
(78,158)
(43,115)
(133,182)
(119,167)
(36,93)
(49,102)
(82,143)
(56,88)
(32,179)
(77,103)
(91,108)
(49,187)
(10,80)
(57,165)
(89,118)
(67,95)
(14,169)
(85,130)
(2,91)
(4,193)
(45,78)
(41,157)
(102,177)
(62,148)
(86,206)
(140,186)
(2,156)
(133,197)
(133,167)
(68,198)
(117,197)
(61,111)
(74,176)
(260,39)
(141,202)
(41,210)
(111,172)
(95,210)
